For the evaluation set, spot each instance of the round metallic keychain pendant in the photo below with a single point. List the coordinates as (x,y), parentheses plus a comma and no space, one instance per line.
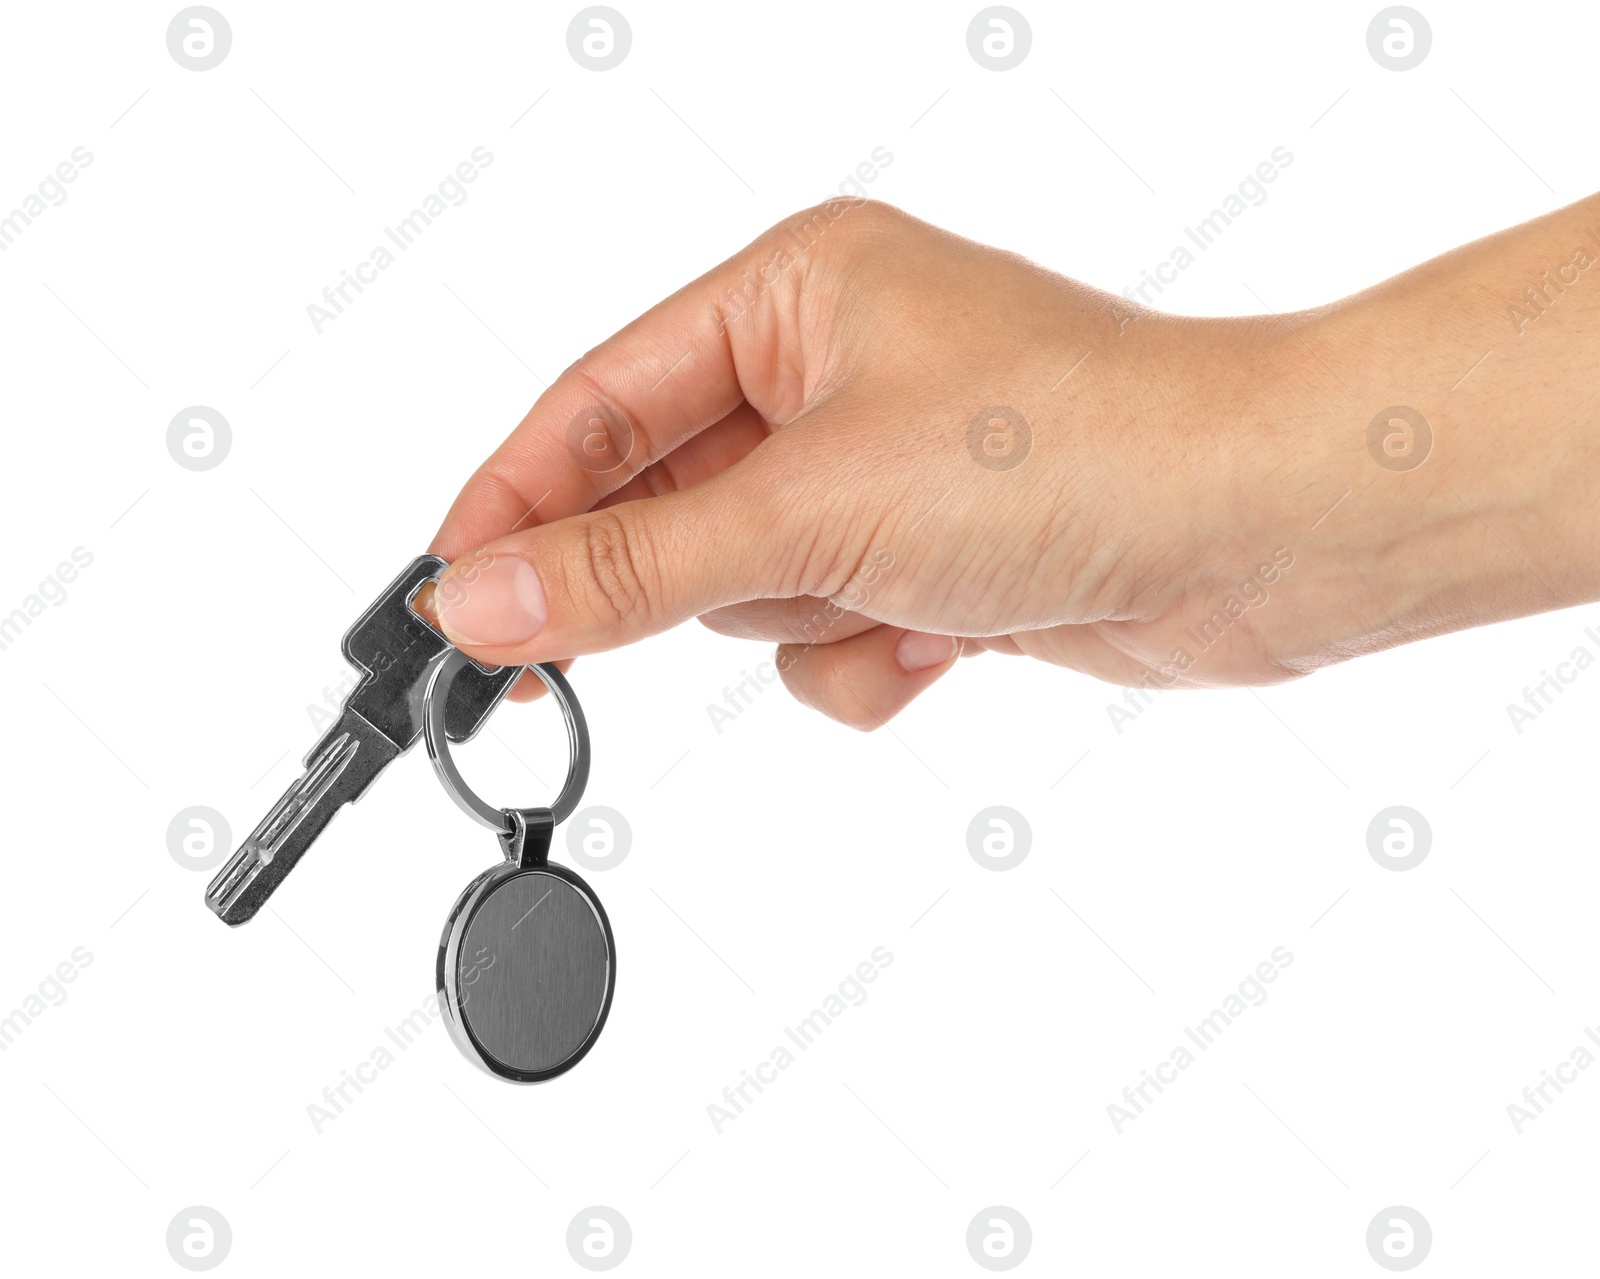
(527,963)
(526,970)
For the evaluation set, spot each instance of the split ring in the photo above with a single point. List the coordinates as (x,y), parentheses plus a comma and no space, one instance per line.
(445,669)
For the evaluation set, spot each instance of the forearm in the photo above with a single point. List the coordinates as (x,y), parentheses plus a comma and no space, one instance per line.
(1483,503)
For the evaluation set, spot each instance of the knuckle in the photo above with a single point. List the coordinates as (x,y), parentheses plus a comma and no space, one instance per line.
(839,223)
(822,528)
(627,445)
(505,487)
(875,215)
(612,558)
(828,566)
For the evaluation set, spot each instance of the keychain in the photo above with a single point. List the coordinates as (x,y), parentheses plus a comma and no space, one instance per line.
(527,963)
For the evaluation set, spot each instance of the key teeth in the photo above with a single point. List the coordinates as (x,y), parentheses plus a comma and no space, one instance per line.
(255,871)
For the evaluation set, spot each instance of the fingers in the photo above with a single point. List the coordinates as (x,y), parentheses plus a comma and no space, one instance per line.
(732,335)
(528,687)
(605,578)
(805,619)
(867,680)
(1097,649)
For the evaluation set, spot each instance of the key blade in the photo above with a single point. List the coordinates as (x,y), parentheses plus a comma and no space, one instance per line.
(338,771)
(394,648)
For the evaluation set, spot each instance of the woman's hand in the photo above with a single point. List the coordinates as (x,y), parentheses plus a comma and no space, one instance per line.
(879,445)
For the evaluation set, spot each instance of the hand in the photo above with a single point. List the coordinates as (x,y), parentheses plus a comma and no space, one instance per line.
(879,446)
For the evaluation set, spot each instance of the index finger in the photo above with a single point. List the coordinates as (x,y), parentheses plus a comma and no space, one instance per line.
(730,336)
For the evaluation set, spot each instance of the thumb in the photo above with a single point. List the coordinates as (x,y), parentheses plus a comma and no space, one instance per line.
(609,577)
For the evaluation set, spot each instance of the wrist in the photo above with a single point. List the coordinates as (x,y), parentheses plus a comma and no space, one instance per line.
(1452,481)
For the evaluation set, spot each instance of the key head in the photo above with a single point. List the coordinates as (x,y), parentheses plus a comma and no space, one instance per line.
(527,966)
(392,646)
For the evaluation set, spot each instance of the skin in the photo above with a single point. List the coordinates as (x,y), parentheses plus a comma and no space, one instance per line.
(745,459)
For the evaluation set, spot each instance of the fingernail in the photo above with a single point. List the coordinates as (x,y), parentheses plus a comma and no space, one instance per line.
(501,602)
(918,650)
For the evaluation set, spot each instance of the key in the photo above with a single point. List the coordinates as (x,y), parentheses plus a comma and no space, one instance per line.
(381,719)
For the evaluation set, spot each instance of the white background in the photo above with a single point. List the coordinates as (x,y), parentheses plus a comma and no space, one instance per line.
(770,859)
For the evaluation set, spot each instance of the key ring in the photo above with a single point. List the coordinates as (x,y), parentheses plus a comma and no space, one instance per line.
(501,820)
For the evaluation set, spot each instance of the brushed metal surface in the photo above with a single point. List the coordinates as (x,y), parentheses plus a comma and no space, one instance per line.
(532,971)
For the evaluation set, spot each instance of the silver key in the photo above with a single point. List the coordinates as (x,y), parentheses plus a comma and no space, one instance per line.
(380,721)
